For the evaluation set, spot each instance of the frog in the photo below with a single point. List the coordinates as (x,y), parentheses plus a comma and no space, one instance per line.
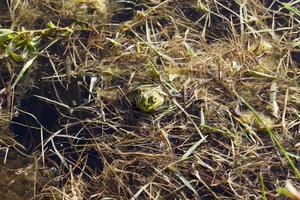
(148,97)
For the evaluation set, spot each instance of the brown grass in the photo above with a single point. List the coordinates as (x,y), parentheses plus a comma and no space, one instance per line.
(232,127)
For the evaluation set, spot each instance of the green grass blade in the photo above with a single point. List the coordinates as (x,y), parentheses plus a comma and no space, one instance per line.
(186,183)
(192,149)
(291,8)
(275,141)
(263,189)
(24,69)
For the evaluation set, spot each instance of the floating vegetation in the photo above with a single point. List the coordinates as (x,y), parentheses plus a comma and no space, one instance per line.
(250,119)
(149,99)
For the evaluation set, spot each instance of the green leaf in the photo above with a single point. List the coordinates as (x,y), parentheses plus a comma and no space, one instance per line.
(4,32)
(14,56)
(24,69)
(24,53)
(283,191)
(5,35)
(202,7)
(32,45)
(51,25)
(67,31)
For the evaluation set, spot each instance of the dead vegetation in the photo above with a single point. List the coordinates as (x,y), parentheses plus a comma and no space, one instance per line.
(232,131)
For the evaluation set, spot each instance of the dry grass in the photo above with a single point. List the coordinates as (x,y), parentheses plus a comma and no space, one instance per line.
(232,128)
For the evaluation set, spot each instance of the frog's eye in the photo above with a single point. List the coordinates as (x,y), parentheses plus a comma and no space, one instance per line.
(138,91)
(140,97)
(153,99)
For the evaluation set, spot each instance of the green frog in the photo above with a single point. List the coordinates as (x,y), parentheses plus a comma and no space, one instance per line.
(148,97)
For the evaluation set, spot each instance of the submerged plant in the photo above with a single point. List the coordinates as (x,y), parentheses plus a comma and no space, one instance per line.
(19,45)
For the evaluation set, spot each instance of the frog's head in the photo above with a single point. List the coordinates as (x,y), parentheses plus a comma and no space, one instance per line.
(148,98)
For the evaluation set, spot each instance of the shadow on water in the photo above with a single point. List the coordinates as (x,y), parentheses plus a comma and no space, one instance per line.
(39,120)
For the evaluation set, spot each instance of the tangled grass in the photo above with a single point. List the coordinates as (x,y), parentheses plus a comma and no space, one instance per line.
(232,131)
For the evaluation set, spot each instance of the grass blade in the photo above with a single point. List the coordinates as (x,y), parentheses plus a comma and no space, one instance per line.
(137,194)
(192,149)
(275,141)
(186,183)
(24,69)
(263,189)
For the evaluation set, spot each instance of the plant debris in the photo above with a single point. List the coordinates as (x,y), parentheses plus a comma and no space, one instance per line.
(228,69)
